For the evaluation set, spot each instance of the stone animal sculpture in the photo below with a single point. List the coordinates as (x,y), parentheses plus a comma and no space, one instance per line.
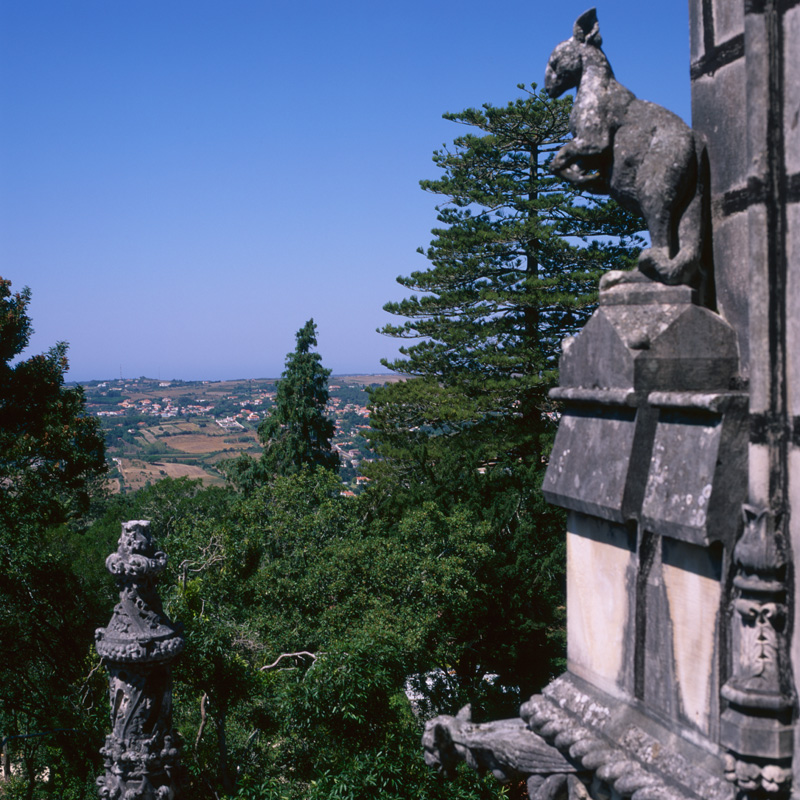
(506,748)
(644,156)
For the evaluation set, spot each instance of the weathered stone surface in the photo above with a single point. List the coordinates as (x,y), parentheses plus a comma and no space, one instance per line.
(601,591)
(507,748)
(728,20)
(581,477)
(731,277)
(698,466)
(626,750)
(692,580)
(651,347)
(791,100)
(726,144)
(632,348)
(696,45)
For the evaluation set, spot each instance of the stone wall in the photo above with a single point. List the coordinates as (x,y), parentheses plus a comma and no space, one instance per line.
(718,85)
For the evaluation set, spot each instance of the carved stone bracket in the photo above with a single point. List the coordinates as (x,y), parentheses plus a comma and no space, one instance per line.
(756,727)
(574,742)
(633,766)
(140,755)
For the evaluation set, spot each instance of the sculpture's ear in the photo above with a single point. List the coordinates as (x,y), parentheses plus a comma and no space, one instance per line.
(587,28)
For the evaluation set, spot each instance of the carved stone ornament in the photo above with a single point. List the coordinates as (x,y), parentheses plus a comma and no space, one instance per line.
(644,156)
(757,726)
(140,755)
(572,742)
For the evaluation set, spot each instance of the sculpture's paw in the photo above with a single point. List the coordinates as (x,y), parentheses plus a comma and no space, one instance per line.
(656,264)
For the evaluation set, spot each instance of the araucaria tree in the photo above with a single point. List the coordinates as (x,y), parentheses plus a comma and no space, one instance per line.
(297,433)
(514,269)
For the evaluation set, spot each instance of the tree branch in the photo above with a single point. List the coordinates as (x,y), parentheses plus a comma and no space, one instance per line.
(299,654)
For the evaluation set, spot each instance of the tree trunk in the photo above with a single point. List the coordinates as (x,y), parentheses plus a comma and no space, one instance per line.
(222,744)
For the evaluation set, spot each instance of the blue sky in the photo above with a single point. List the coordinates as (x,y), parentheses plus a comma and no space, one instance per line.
(184,184)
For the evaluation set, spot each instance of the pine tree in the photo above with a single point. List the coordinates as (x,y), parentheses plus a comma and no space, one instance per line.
(514,269)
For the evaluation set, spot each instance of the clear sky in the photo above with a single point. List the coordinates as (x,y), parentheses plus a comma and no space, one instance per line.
(183,183)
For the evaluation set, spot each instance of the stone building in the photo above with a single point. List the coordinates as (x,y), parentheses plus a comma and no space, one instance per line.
(678,452)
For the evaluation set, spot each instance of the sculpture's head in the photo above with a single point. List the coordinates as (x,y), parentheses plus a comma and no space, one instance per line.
(441,752)
(565,67)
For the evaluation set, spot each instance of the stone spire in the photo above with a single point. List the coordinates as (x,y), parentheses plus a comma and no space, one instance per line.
(140,754)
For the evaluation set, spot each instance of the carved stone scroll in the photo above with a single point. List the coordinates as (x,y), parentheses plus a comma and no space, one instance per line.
(140,755)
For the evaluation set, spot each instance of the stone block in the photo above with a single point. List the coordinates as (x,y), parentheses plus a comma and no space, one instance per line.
(597,357)
(581,476)
(732,275)
(728,20)
(656,683)
(756,108)
(712,96)
(793,301)
(695,29)
(767,738)
(679,347)
(758,312)
(692,580)
(791,98)
(601,581)
(697,476)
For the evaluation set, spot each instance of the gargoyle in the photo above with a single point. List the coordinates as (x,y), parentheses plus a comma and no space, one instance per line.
(506,748)
(644,156)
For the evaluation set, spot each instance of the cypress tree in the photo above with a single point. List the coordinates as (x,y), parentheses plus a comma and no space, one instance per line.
(297,433)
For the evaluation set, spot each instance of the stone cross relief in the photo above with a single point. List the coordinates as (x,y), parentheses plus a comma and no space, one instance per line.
(642,155)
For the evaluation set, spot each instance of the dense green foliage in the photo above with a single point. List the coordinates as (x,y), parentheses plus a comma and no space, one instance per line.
(323,629)
(296,432)
(50,451)
(304,620)
(513,269)
(51,458)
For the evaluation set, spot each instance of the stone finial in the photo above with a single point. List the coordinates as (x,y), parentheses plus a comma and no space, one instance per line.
(140,754)
(644,156)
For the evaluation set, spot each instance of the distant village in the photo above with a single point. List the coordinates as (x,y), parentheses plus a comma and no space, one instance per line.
(151,422)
